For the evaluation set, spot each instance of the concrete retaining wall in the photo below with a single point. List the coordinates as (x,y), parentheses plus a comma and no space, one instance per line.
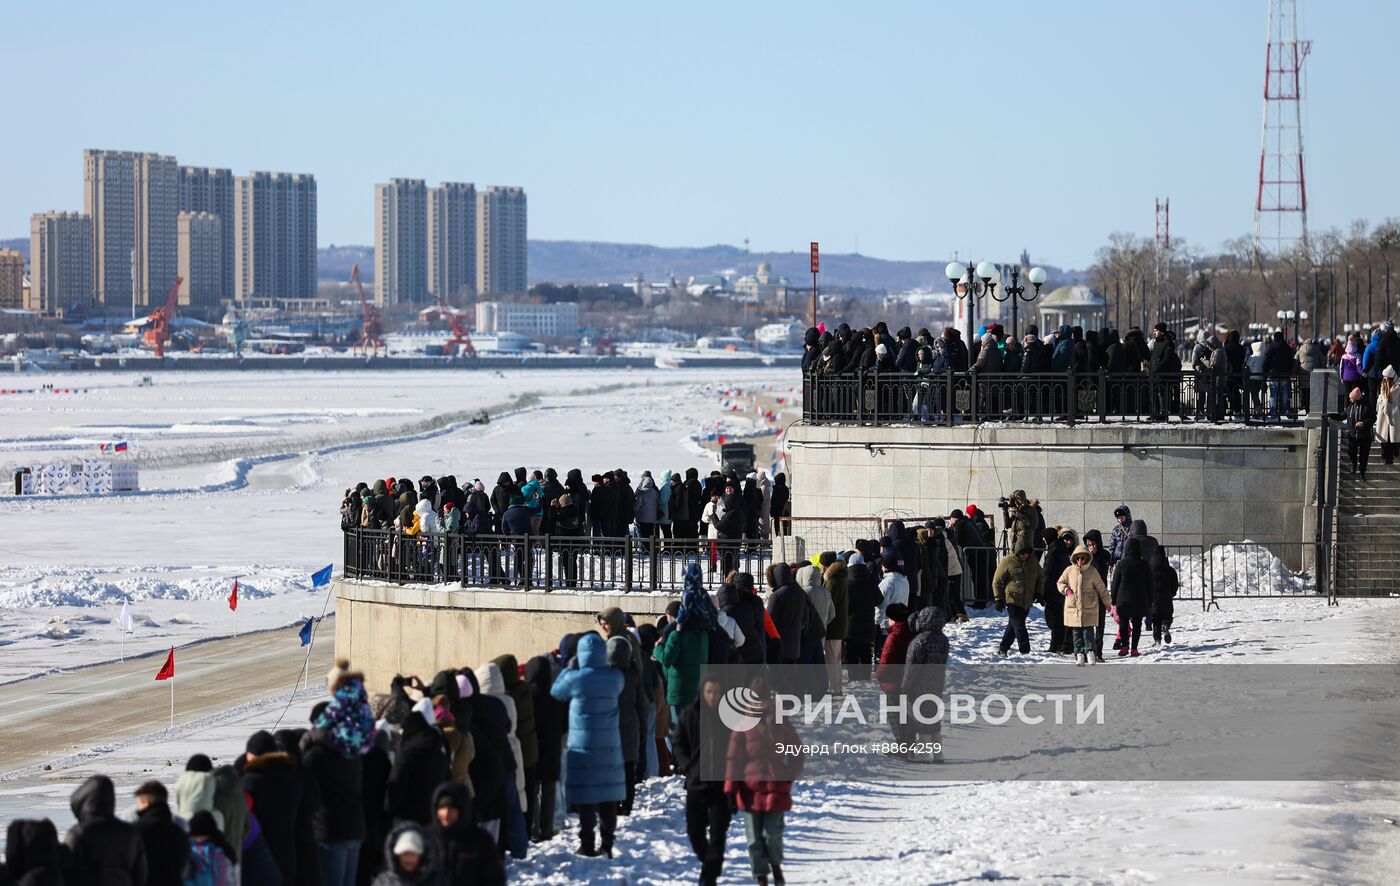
(386,630)
(1191,484)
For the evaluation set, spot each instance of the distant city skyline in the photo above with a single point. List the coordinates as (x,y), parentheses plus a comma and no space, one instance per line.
(914,129)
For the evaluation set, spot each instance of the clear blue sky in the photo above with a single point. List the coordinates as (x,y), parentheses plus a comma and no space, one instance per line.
(919,127)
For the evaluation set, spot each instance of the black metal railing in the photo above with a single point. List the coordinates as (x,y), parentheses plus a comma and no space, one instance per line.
(953,398)
(544,562)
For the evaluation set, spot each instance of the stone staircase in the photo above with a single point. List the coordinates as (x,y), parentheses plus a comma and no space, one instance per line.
(1368,530)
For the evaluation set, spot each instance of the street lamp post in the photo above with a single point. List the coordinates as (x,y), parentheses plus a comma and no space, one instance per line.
(966,278)
(1016,292)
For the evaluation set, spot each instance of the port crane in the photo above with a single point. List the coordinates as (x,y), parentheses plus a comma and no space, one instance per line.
(160,320)
(371,335)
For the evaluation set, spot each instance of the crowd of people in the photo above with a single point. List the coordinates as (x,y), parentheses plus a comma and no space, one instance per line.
(609,505)
(1232,377)
(442,781)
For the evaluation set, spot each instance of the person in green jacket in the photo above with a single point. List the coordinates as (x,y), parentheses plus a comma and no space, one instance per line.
(686,649)
(1015,586)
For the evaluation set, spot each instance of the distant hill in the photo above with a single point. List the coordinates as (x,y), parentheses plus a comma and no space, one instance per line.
(585,261)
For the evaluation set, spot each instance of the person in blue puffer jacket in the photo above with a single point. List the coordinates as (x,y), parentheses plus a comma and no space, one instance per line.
(594,780)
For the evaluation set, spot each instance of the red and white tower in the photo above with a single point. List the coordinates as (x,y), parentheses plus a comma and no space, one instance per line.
(1281,207)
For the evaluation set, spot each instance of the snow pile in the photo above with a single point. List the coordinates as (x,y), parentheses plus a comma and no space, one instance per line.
(1241,569)
(78,587)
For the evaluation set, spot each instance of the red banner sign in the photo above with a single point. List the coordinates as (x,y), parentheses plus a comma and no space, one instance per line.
(816,258)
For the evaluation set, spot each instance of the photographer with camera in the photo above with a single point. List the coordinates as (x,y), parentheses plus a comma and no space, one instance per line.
(1022,520)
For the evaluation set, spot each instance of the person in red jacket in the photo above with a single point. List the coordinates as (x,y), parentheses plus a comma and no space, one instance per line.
(890,673)
(759,777)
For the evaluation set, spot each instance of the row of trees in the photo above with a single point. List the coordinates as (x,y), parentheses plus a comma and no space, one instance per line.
(1340,278)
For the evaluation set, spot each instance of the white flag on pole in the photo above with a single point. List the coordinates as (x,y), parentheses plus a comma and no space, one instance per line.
(125,620)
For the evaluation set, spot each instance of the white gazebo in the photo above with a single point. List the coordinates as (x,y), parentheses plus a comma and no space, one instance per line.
(1073,305)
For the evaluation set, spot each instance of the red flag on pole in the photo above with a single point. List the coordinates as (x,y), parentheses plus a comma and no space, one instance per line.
(167,670)
(233,598)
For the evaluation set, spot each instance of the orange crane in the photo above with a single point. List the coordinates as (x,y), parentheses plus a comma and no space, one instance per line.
(371,335)
(159,322)
(461,340)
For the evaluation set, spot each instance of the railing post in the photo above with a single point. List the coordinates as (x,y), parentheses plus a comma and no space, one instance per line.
(973,411)
(548,565)
(654,560)
(1245,405)
(1071,396)
(527,562)
(859,384)
(627,564)
(949,398)
(876,387)
(1102,399)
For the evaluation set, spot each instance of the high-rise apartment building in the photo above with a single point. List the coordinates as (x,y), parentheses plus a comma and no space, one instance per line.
(451,239)
(401,241)
(11,279)
(274,235)
(211,190)
(60,262)
(201,237)
(501,251)
(132,199)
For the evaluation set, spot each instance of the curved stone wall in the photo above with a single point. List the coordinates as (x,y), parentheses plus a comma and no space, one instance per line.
(386,629)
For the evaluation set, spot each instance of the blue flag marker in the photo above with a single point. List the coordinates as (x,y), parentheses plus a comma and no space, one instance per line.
(306,632)
(323,577)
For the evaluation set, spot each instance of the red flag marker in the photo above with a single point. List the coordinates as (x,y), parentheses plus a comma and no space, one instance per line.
(167,670)
(233,598)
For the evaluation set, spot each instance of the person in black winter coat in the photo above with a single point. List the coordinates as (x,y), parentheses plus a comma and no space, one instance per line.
(167,844)
(308,855)
(787,606)
(468,855)
(419,767)
(31,853)
(1131,593)
(1055,562)
(500,500)
(550,716)
(907,350)
(906,553)
(695,501)
(273,781)
(103,849)
(738,600)
(493,767)
(375,767)
(863,601)
(780,505)
(698,752)
(1147,544)
(339,812)
(1164,588)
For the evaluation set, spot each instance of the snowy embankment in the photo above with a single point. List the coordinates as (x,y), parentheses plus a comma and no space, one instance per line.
(1076,832)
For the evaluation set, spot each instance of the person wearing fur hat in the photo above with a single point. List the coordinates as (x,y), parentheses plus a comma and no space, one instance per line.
(332,754)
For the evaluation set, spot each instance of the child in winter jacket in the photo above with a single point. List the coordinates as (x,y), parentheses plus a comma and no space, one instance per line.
(1084,592)
(759,776)
(889,674)
(210,862)
(1164,587)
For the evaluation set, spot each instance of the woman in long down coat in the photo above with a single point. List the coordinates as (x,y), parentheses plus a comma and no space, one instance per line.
(595,780)
(760,777)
